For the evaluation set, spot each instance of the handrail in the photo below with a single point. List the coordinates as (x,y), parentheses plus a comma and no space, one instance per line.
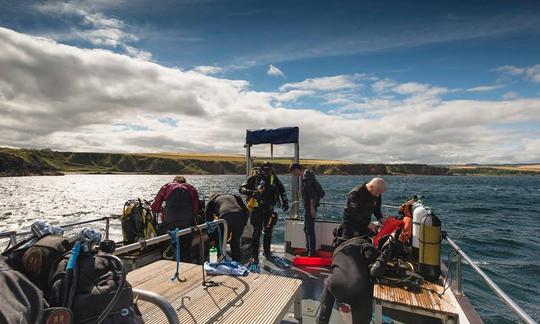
(496,289)
(160,302)
(13,234)
(166,237)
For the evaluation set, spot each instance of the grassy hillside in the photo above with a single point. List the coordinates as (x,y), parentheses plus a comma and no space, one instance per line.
(42,162)
(502,169)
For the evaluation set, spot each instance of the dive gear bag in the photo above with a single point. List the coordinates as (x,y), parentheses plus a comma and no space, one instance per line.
(21,300)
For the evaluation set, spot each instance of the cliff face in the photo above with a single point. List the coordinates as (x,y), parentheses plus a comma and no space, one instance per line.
(12,164)
(30,162)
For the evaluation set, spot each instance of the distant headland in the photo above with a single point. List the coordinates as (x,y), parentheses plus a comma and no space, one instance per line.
(22,162)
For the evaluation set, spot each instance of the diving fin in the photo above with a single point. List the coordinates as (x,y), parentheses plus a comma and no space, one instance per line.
(279,261)
(253,266)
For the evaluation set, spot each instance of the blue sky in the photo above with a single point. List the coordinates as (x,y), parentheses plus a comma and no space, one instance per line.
(357,62)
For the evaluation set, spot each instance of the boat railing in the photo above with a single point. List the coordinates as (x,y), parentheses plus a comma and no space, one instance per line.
(13,235)
(516,309)
(327,205)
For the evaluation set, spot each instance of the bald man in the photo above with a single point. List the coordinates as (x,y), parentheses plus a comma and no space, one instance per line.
(363,201)
(350,281)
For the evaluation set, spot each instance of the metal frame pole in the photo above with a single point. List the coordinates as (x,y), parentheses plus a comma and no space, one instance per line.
(295,185)
(248,160)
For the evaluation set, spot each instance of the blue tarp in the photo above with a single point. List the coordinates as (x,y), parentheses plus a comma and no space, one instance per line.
(282,135)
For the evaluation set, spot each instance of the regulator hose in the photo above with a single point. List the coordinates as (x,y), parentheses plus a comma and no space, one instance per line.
(121,286)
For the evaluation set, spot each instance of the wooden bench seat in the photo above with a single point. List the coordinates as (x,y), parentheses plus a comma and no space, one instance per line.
(257,298)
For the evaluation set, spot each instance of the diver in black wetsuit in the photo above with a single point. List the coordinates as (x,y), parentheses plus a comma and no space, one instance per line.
(265,187)
(350,281)
(232,209)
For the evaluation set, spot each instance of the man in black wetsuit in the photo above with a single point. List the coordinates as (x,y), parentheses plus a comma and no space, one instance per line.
(350,281)
(232,209)
(362,202)
(265,187)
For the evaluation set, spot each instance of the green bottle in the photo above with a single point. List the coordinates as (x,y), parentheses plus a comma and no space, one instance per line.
(213,255)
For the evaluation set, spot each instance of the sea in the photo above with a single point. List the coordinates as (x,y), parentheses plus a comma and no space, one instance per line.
(494,219)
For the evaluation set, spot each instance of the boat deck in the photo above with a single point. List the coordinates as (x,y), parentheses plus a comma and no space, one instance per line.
(432,300)
(280,295)
(257,298)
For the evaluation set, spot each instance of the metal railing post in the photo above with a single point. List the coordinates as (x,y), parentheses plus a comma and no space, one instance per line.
(13,238)
(107,227)
(458,274)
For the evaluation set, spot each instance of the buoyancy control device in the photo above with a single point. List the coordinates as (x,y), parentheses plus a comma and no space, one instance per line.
(429,262)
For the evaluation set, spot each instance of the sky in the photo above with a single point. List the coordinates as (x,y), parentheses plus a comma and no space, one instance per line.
(435,82)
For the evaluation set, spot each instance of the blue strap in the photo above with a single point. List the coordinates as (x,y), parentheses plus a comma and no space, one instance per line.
(176,241)
(211,228)
(75,251)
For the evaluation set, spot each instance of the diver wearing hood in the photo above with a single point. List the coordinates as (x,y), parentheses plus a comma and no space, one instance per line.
(266,189)
(312,193)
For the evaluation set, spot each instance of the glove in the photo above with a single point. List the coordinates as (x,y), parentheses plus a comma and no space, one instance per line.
(285,205)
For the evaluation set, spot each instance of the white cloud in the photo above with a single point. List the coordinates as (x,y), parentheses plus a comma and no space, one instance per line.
(325,83)
(95,27)
(67,98)
(531,73)
(383,85)
(485,88)
(208,69)
(510,95)
(274,71)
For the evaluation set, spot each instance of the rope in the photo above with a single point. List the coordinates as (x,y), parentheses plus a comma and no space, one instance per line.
(176,241)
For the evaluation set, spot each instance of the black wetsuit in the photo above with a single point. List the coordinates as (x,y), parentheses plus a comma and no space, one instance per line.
(311,190)
(350,281)
(262,215)
(357,214)
(232,209)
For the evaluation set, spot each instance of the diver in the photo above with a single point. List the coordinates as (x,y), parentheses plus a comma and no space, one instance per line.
(350,281)
(232,209)
(264,191)
(178,202)
(312,193)
(363,201)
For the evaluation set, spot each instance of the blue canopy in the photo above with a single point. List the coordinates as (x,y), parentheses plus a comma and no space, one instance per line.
(283,135)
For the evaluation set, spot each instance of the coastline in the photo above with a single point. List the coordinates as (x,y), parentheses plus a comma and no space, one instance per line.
(31,162)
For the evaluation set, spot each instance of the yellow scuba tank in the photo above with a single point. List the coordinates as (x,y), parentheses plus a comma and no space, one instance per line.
(429,262)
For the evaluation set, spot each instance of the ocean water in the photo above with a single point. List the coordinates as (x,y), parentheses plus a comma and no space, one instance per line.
(496,220)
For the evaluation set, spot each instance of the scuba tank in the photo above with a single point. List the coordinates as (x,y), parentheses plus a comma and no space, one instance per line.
(419,211)
(430,247)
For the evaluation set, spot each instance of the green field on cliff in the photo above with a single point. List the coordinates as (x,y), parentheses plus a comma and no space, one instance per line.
(17,162)
(14,162)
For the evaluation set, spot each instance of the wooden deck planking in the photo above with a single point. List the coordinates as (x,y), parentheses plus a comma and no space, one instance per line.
(257,298)
(426,299)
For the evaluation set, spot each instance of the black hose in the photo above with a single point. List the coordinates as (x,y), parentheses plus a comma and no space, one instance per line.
(121,286)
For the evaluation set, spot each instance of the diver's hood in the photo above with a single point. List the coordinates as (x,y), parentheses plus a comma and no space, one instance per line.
(308,174)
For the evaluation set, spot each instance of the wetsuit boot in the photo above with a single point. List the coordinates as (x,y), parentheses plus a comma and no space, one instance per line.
(267,243)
